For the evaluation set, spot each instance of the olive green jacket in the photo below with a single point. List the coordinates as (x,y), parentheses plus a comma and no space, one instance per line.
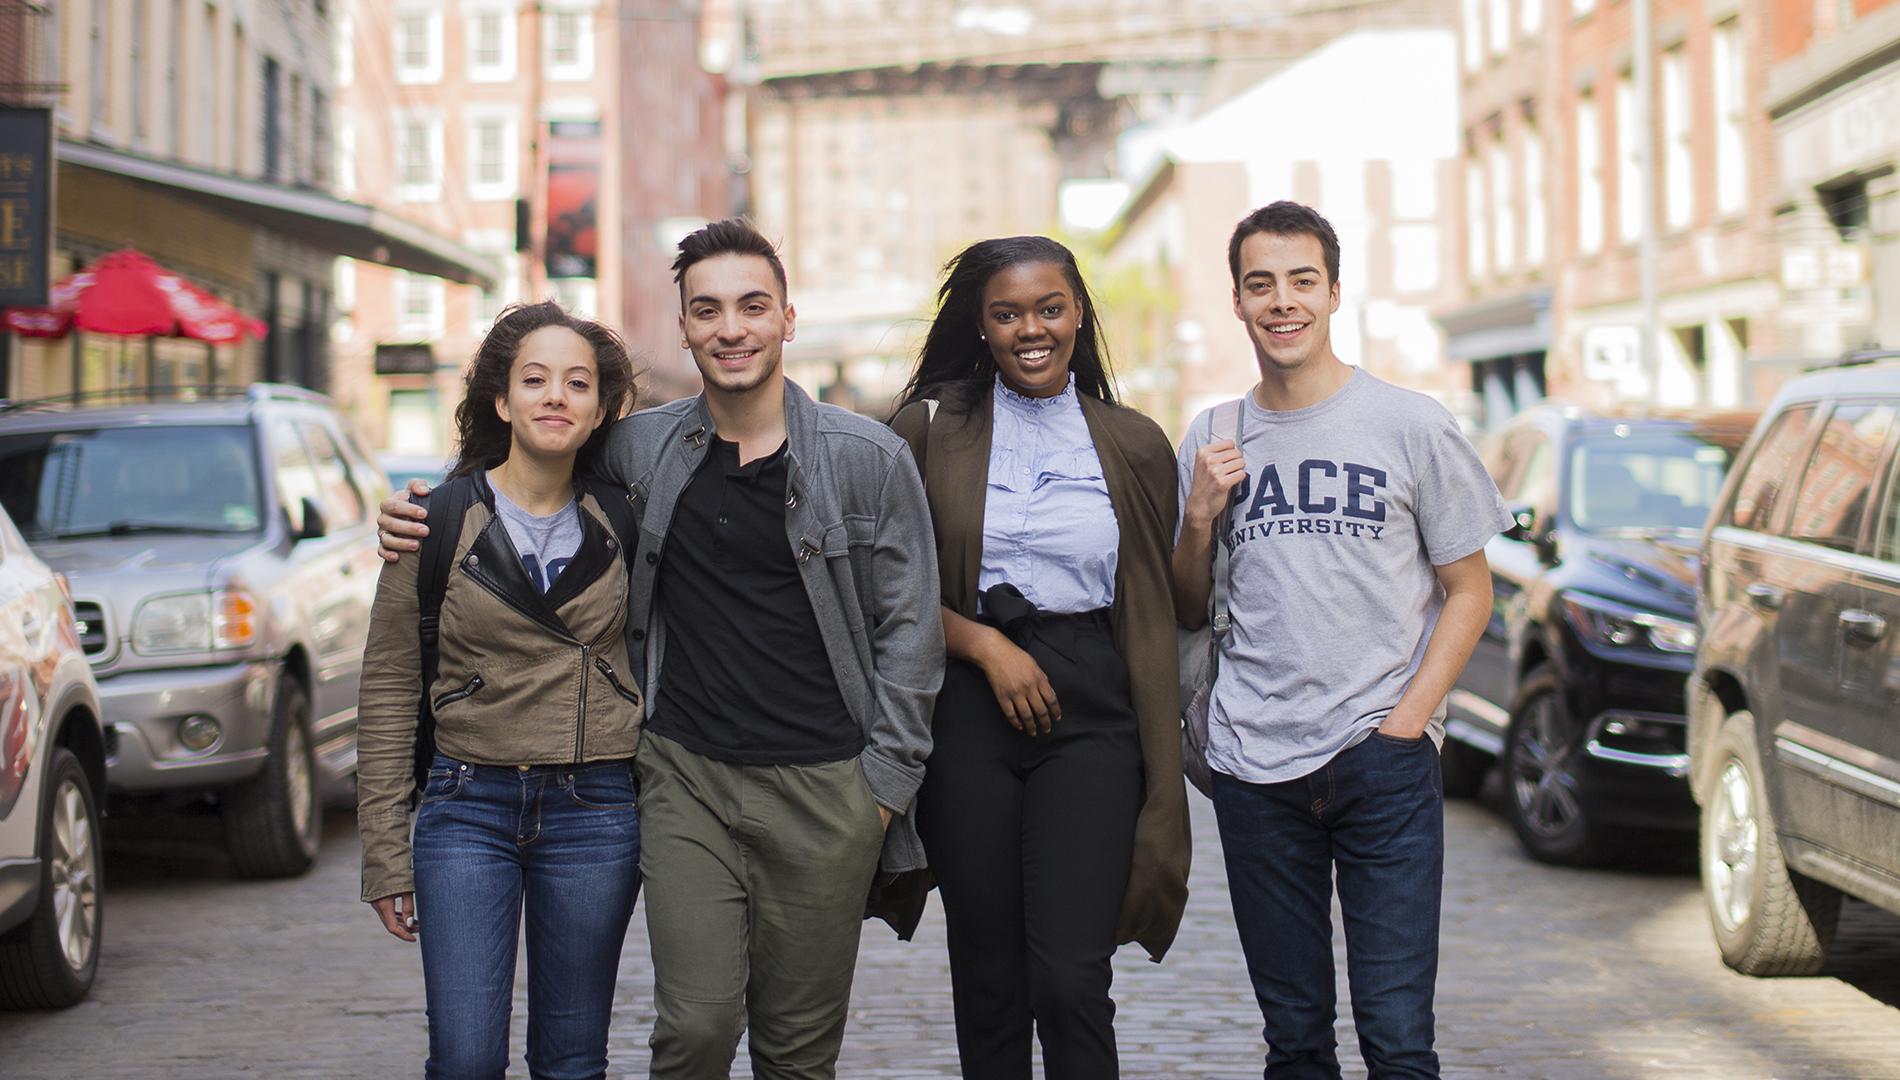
(522,678)
(1139,466)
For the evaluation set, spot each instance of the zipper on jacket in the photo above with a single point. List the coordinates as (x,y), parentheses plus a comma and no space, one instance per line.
(580,722)
(601,665)
(454,696)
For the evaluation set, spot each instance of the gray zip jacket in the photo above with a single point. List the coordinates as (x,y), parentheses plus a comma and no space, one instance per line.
(857,522)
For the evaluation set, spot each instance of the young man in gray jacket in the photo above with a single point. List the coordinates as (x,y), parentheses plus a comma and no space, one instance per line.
(784,624)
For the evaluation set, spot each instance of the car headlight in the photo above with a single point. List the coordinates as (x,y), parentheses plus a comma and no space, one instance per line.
(195,622)
(1618,626)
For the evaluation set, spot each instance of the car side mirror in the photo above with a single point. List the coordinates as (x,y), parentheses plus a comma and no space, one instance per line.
(313,524)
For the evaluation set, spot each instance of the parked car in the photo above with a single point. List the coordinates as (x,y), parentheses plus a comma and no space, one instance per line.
(402,468)
(1794,704)
(1576,685)
(222,561)
(52,773)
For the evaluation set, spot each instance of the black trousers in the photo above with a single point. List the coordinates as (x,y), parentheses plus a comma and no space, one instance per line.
(1030,841)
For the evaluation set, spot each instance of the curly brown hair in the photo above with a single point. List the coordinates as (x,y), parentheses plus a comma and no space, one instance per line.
(483,438)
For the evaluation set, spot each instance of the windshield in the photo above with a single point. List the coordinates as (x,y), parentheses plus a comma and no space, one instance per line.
(1656,482)
(119,481)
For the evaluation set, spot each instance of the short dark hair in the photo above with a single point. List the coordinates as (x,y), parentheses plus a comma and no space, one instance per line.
(732,236)
(1286,218)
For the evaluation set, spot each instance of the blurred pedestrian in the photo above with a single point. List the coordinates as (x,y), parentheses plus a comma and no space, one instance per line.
(1356,513)
(1054,813)
(528,801)
(781,615)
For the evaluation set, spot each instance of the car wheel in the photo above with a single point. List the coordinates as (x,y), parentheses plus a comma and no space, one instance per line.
(1462,768)
(1768,919)
(49,961)
(272,822)
(1542,752)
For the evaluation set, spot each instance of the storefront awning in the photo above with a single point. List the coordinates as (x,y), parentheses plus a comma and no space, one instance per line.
(1506,326)
(322,221)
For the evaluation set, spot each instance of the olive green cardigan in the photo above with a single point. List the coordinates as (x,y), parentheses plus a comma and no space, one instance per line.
(1139,466)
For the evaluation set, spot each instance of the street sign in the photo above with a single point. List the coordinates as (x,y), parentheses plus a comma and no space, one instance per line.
(26,204)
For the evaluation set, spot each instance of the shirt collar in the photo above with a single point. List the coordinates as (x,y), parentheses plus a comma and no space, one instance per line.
(1024,404)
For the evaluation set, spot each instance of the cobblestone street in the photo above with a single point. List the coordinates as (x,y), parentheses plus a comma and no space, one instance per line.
(1546,973)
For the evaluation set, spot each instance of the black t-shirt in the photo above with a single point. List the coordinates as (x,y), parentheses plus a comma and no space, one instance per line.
(745,677)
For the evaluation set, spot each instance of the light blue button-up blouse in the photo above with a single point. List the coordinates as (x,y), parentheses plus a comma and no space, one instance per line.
(1048,525)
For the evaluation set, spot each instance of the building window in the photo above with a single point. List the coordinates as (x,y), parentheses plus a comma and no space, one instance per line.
(273,127)
(1473,35)
(1678,165)
(570,43)
(491,45)
(1589,176)
(344,50)
(345,151)
(1477,245)
(322,155)
(1534,223)
(98,71)
(418,47)
(1629,173)
(141,96)
(1414,258)
(1504,233)
(418,307)
(1531,16)
(174,94)
(491,156)
(1731,159)
(418,158)
(1580,8)
(204,94)
(1498,20)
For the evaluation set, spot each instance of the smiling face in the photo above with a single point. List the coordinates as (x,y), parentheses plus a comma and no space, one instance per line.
(1285,300)
(735,321)
(1029,319)
(553,399)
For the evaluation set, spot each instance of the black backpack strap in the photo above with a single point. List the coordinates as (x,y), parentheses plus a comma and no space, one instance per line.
(617,503)
(447,505)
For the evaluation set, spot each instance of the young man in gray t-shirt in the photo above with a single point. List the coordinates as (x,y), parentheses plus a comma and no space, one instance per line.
(1356,513)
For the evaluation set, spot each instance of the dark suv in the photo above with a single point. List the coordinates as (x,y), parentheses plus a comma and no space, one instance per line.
(1794,706)
(1576,685)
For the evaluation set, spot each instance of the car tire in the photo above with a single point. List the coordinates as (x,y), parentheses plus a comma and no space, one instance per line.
(1543,796)
(274,821)
(49,961)
(1768,919)
(1462,768)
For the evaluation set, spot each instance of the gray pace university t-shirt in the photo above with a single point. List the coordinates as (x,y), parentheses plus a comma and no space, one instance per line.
(1346,507)
(545,543)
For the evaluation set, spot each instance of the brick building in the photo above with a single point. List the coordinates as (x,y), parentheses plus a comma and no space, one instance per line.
(200,133)
(569,141)
(1834,96)
(1552,179)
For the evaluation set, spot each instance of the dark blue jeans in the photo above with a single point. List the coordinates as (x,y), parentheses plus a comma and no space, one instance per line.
(1375,815)
(564,838)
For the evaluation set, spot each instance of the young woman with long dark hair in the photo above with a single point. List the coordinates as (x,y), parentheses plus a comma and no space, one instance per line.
(529,798)
(1053,812)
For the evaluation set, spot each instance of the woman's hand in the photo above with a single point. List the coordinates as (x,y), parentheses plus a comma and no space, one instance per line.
(399,526)
(1028,701)
(398,913)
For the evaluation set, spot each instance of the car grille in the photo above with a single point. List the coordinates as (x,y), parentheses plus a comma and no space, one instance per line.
(91,619)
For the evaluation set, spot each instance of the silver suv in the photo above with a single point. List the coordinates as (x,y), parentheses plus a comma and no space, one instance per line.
(221,560)
(52,769)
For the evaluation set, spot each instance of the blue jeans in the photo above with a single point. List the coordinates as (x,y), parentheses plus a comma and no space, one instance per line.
(567,839)
(1375,814)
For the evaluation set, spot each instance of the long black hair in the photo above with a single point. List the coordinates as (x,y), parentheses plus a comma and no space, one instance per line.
(955,365)
(483,438)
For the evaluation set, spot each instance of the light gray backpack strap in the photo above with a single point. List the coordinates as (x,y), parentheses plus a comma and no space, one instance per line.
(1226,425)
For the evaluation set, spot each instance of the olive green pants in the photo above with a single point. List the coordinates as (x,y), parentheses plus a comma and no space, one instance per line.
(756,877)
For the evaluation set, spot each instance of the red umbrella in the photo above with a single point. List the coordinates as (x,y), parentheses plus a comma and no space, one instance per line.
(127,294)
